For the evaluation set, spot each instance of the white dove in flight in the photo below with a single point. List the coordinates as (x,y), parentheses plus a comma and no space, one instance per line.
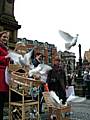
(71,41)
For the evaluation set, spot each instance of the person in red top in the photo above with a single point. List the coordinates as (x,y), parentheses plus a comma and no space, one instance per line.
(4,62)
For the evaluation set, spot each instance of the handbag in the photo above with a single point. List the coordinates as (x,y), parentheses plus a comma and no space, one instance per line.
(70,91)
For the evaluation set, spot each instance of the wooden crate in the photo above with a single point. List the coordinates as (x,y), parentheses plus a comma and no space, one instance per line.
(20,85)
(55,109)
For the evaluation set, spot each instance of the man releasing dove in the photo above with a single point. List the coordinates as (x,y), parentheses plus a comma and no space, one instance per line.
(71,41)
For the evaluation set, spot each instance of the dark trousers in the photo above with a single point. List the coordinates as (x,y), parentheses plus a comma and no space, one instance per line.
(61,93)
(3,99)
(41,90)
(87,85)
(59,90)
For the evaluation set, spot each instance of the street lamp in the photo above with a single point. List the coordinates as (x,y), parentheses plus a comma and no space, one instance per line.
(80,79)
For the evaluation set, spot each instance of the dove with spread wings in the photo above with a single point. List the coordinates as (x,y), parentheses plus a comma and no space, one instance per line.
(19,59)
(41,70)
(71,41)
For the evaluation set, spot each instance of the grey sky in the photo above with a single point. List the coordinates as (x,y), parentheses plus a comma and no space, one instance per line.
(41,20)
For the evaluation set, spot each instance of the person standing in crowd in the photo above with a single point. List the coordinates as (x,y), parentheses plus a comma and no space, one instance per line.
(36,62)
(4,62)
(86,78)
(56,79)
(37,59)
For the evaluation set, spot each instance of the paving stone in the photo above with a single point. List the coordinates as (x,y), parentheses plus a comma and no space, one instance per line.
(80,111)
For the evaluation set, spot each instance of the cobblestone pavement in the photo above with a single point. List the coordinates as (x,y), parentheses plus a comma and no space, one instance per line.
(80,111)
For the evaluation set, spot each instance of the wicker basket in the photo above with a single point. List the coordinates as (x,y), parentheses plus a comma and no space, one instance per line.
(14,67)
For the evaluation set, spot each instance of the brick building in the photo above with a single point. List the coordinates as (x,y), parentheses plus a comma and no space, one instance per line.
(48,50)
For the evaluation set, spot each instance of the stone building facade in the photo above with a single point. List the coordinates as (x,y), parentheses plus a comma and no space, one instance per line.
(68,58)
(87,55)
(86,60)
(8,21)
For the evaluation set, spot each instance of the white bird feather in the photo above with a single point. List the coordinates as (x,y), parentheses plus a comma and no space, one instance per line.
(71,41)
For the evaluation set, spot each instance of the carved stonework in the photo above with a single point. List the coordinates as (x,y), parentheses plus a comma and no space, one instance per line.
(7,19)
(10,1)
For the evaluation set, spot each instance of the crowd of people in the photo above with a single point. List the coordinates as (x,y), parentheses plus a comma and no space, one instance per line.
(86,82)
(56,77)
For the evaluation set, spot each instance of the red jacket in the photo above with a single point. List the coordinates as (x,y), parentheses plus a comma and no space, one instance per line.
(3,63)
